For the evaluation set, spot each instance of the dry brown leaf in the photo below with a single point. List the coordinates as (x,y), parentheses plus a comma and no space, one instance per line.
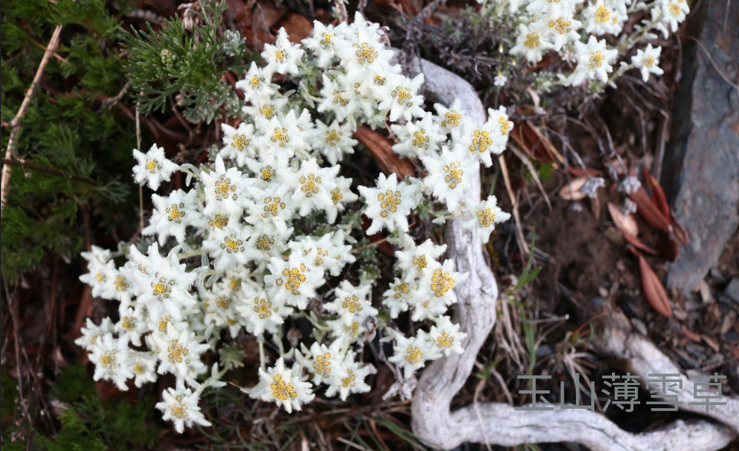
(653,289)
(571,191)
(658,194)
(693,336)
(382,149)
(296,25)
(649,210)
(627,226)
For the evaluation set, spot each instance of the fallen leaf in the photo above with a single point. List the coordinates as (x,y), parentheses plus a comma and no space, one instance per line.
(680,234)
(693,336)
(653,289)
(571,191)
(710,342)
(296,25)
(382,149)
(531,140)
(658,194)
(668,247)
(627,226)
(649,211)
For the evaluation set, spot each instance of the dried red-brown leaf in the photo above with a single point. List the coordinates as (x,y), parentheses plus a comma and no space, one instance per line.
(577,171)
(668,247)
(382,149)
(679,231)
(658,194)
(571,191)
(654,291)
(692,335)
(530,139)
(649,210)
(627,226)
(297,26)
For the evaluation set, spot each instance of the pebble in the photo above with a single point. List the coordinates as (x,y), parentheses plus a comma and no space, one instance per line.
(639,325)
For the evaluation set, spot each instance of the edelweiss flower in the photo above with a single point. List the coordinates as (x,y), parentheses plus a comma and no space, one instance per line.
(143,365)
(500,80)
(403,99)
(353,379)
(446,336)
(397,297)
(484,215)
(492,137)
(592,61)
(181,407)
(670,13)
(333,141)
(560,29)
(530,42)
(647,61)
(272,206)
(283,387)
(390,203)
(312,186)
(262,110)
(328,253)
(153,167)
(347,334)
(181,356)
(92,333)
(340,196)
(132,324)
(282,57)
(449,120)
(437,281)
(412,260)
(262,312)
(351,303)
(256,84)
(418,139)
(98,269)
(172,214)
(227,246)
(339,97)
(225,190)
(604,16)
(324,362)
(282,138)
(411,353)
(292,281)
(322,41)
(222,312)
(109,356)
(264,243)
(237,143)
(449,176)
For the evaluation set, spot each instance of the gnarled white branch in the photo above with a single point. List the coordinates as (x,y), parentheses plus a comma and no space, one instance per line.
(501,424)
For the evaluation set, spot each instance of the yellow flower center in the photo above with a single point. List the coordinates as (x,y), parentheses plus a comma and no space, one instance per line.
(596,59)
(280,55)
(445,341)
(648,61)
(177,352)
(403,96)
(389,202)
(293,279)
(339,98)
(263,308)
(255,82)
(178,411)
(333,138)
(239,142)
(674,9)
(264,243)
(481,141)
(353,329)
(326,39)
(602,14)
(451,119)
(108,359)
(127,323)
(310,185)
(505,126)
(441,283)
(219,222)
(322,365)
(282,390)
(365,53)
(232,244)
(267,111)
(532,40)
(420,263)
(352,304)
(175,214)
(485,217)
(272,206)
(350,380)
(223,302)
(336,196)
(152,165)
(121,284)
(420,139)
(402,288)
(100,277)
(453,175)
(561,25)
(280,136)
(224,188)
(235,283)
(414,356)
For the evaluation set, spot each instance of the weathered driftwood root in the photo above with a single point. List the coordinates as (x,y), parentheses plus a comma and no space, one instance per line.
(499,423)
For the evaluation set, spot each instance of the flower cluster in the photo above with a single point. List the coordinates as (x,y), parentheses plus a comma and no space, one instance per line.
(562,26)
(276,174)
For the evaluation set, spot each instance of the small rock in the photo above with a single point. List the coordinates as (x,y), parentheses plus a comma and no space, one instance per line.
(680,315)
(695,351)
(543,351)
(731,335)
(705,292)
(597,300)
(686,360)
(717,276)
(714,361)
(732,290)
(639,325)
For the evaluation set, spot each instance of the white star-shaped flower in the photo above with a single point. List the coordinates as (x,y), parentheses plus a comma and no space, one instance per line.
(593,61)
(180,406)
(292,281)
(282,57)
(238,143)
(484,215)
(262,312)
(256,84)
(530,42)
(390,203)
(353,380)
(411,353)
(449,176)
(153,167)
(172,214)
(282,386)
(446,337)
(351,303)
(109,356)
(225,190)
(647,61)
(334,141)
(418,138)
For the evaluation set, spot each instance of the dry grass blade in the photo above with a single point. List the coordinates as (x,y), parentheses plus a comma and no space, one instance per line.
(382,150)
(519,232)
(627,226)
(532,171)
(649,211)
(653,289)
(571,191)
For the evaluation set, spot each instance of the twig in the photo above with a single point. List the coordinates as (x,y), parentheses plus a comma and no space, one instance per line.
(514,203)
(24,165)
(15,123)
(141,191)
(530,166)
